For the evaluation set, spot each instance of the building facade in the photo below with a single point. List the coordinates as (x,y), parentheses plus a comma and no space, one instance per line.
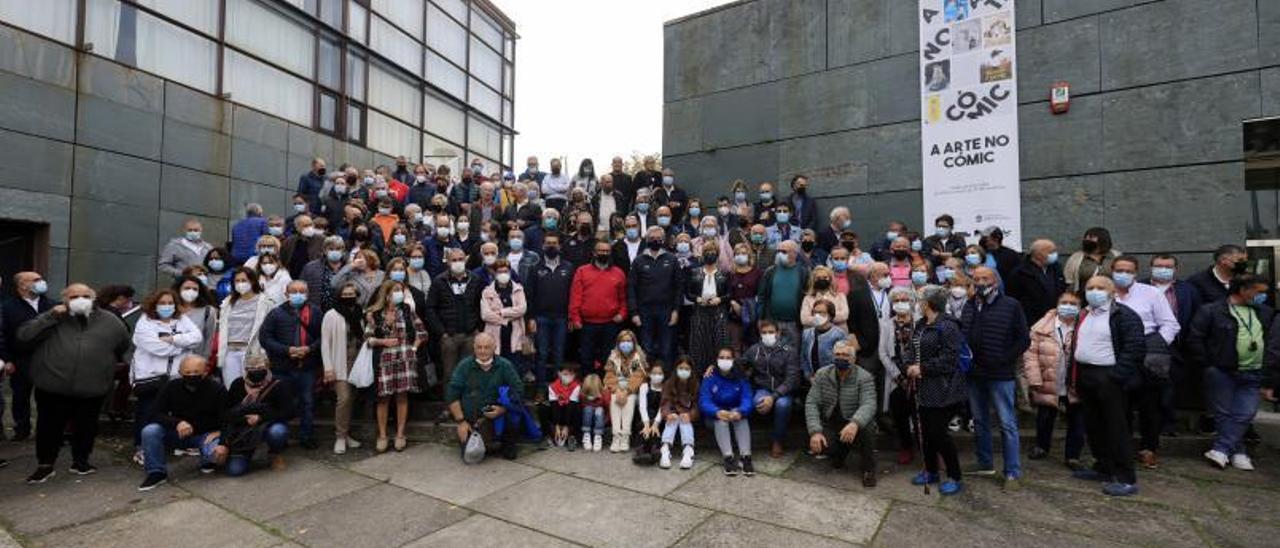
(121,119)
(1152,146)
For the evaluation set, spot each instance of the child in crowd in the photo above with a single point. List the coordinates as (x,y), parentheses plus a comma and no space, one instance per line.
(650,411)
(679,409)
(624,374)
(563,395)
(593,400)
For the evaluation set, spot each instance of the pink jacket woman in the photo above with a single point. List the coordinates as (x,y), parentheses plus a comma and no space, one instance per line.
(1040,362)
(496,316)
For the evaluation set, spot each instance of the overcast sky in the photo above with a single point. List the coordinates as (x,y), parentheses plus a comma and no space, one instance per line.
(589,76)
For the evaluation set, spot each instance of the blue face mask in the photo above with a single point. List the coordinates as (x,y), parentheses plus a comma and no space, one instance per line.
(633,233)
(417,263)
(1162,274)
(890,236)
(165,311)
(549,224)
(642,207)
(1123,279)
(1097,298)
(297,299)
(766,196)
(1052,258)
(516,244)
(840,266)
(695,212)
(682,247)
(783,217)
(917,245)
(945,275)
(973,259)
(664,220)
(919,278)
(740,196)
(626,347)
(1068,310)
(333,255)
(396,275)
(216,265)
(1260,298)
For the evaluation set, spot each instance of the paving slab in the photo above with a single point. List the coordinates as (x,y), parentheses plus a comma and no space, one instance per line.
(1266,476)
(1230,533)
(382,515)
(1154,486)
(725,531)
(894,481)
(264,494)
(615,469)
(437,470)
(910,525)
(1096,515)
(480,531)
(592,513)
(1244,502)
(7,540)
(190,523)
(823,510)
(769,466)
(67,499)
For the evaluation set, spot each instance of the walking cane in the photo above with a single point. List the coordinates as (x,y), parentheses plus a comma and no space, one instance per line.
(913,398)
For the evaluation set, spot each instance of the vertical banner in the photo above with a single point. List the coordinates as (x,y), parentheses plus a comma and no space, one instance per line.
(969,115)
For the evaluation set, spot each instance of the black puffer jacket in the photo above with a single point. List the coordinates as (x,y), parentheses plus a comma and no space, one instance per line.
(452,314)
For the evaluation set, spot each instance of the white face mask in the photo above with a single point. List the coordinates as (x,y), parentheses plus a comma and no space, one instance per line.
(503,278)
(457,267)
(189,295)
(566,379)
(269,269)
(959,292)
(724,364)
(243,288)
(769,339)
(656,378)
(490,259)
(683,374)
(819,320)
(885,283)
(80,306)
(464,227)
(902,308)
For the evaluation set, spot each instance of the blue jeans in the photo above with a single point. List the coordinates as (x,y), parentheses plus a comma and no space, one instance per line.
(302,382)
(157,440)
(597,340)
(781,413)
(1233,400)
(276,436)
(657,336)
(550,339)
(593,420)
(983,393)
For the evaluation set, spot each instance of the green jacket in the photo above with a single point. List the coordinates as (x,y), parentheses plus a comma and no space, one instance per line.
(857,398)
(75,356)
(475,388)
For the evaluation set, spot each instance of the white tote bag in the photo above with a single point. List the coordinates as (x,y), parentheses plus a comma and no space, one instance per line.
(361,374)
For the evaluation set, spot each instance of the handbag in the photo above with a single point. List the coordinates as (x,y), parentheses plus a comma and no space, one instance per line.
(151,386)
(361,374)
(473,452)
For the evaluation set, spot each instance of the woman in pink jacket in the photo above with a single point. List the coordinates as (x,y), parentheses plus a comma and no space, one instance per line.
(502,307)
(1046,365)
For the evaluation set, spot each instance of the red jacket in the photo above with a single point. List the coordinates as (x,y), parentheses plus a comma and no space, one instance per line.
(597,295)
(398,191)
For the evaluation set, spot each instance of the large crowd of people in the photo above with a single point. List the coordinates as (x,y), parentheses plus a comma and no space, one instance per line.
(583,308)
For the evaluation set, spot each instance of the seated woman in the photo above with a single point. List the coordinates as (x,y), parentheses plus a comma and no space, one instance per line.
(725,400)
(818,340)
(624,373)
(258,408)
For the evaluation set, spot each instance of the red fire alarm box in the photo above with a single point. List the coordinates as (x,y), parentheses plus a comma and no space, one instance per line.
(1060,97)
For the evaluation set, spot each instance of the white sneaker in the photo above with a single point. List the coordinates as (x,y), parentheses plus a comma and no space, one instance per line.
(352,443)
(686,460)
(1218,458)
(615,444)
(1241,461)
(624,445)
(340,446)
(586,441)
(664,462)
(599,443)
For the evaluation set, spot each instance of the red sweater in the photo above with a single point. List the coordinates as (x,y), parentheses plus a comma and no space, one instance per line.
(597,295)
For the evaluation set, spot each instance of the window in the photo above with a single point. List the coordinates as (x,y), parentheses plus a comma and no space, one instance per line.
(510,52)
(394,95)
(483,139)
(199,14)
(396,46)
(393,138)
(55,19)
(486,28)
(271,35)
(439,152)
(506,148)
(123,33)
(446,36)
(446,76)
(406,14)
(331,13)
(330,69)
(508,79)
(486,64)
(486,100)
(445,118)
(357,23)
(355,74)
(456,8)
(265,88)
(355,122)
(508,117)
(328,114)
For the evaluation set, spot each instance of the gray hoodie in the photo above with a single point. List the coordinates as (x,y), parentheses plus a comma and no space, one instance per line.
(75,356)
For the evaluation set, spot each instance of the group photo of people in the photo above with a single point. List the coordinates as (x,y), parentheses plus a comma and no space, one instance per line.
(583,309)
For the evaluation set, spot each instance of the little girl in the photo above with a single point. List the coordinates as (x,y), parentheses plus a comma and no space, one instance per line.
(624,374)
(563,396)
(680,409)
(650,411)
(593,402)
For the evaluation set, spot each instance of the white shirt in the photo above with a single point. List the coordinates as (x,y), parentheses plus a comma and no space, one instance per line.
(1093,338)
(633,249)
(33,303)
(556,186)
(708,285)
(608,206)
(1152,306)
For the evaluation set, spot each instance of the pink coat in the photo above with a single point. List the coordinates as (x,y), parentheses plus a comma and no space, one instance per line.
(1040,362)
(495,315)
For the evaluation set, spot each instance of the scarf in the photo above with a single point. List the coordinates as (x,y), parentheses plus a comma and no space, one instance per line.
(254,392)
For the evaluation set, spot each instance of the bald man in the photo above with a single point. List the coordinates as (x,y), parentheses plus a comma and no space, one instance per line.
(185,250)
(291,337)
(1037,281)
(473,394)
(74,351)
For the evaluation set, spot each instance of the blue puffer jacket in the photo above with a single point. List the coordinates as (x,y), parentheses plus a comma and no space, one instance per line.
(721,393)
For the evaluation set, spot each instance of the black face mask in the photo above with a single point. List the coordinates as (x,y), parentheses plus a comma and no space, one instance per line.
(1240,267)
(255,376)
(602,260)
(654,245)
(551,252)
(802,190)
(808,246)
(849,246)
(710,258)
(1089,246)
(822,285)
(320,172)
(349,303)
(584,230)
(362,236)
(192,382)
(901,254)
